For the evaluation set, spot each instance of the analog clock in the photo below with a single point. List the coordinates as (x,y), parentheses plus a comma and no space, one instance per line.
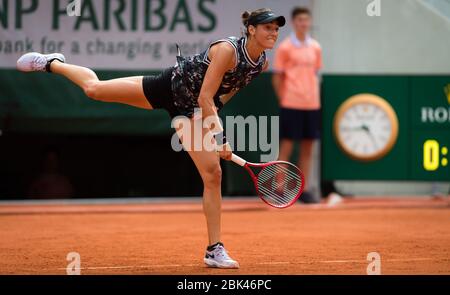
(366,127)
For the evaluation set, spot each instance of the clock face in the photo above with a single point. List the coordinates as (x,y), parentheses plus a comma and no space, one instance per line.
(366,127)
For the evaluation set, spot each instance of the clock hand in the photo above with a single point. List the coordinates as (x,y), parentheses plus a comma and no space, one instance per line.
(352,128)
(367,130)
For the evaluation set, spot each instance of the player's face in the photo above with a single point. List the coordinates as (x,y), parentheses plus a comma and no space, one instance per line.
(267,34)
(302,23)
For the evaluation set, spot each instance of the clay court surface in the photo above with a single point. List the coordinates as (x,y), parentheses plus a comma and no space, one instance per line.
(412,235)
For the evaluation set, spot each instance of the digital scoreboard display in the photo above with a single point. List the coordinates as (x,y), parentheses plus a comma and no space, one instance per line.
(430,128)
(411,113)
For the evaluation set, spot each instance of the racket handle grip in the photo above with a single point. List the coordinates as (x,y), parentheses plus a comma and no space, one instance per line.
(238,160)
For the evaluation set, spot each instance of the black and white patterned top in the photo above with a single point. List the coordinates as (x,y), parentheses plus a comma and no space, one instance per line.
(189,72)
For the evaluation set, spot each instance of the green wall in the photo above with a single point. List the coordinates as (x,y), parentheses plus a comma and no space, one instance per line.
(39,103)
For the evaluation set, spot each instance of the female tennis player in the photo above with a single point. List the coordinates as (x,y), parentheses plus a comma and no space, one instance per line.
(206,81)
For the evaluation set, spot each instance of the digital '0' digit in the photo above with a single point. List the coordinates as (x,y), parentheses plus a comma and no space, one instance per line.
(431,155)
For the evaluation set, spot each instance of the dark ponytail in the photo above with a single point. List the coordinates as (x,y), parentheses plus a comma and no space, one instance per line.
(245,16)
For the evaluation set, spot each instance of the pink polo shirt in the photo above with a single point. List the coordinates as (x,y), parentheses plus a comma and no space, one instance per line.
(300,62)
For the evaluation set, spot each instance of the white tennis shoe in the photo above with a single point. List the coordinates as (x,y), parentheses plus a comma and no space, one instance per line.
(37,62)
(218,257)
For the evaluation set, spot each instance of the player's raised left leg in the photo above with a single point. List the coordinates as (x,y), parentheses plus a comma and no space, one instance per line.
(128,90)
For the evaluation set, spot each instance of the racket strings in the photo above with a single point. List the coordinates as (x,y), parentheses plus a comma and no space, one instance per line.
(279,188)
(274,194)
(280,184)
(267,178)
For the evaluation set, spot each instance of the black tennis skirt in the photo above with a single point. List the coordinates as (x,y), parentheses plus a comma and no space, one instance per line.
(158,91)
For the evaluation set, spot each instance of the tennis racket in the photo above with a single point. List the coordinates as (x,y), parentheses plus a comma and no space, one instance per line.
(278,183)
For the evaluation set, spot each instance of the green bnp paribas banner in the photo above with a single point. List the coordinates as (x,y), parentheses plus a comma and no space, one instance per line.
(121,34)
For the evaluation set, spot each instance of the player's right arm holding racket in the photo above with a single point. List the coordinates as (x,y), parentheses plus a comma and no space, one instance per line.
(223,59)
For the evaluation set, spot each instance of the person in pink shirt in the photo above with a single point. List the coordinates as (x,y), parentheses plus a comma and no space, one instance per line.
(296,83)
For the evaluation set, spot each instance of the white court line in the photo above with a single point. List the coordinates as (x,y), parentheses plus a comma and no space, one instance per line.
(131,266)
(343,261)
(259,263)
(274,263)
(391,260)
(158,266)
(417,259)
